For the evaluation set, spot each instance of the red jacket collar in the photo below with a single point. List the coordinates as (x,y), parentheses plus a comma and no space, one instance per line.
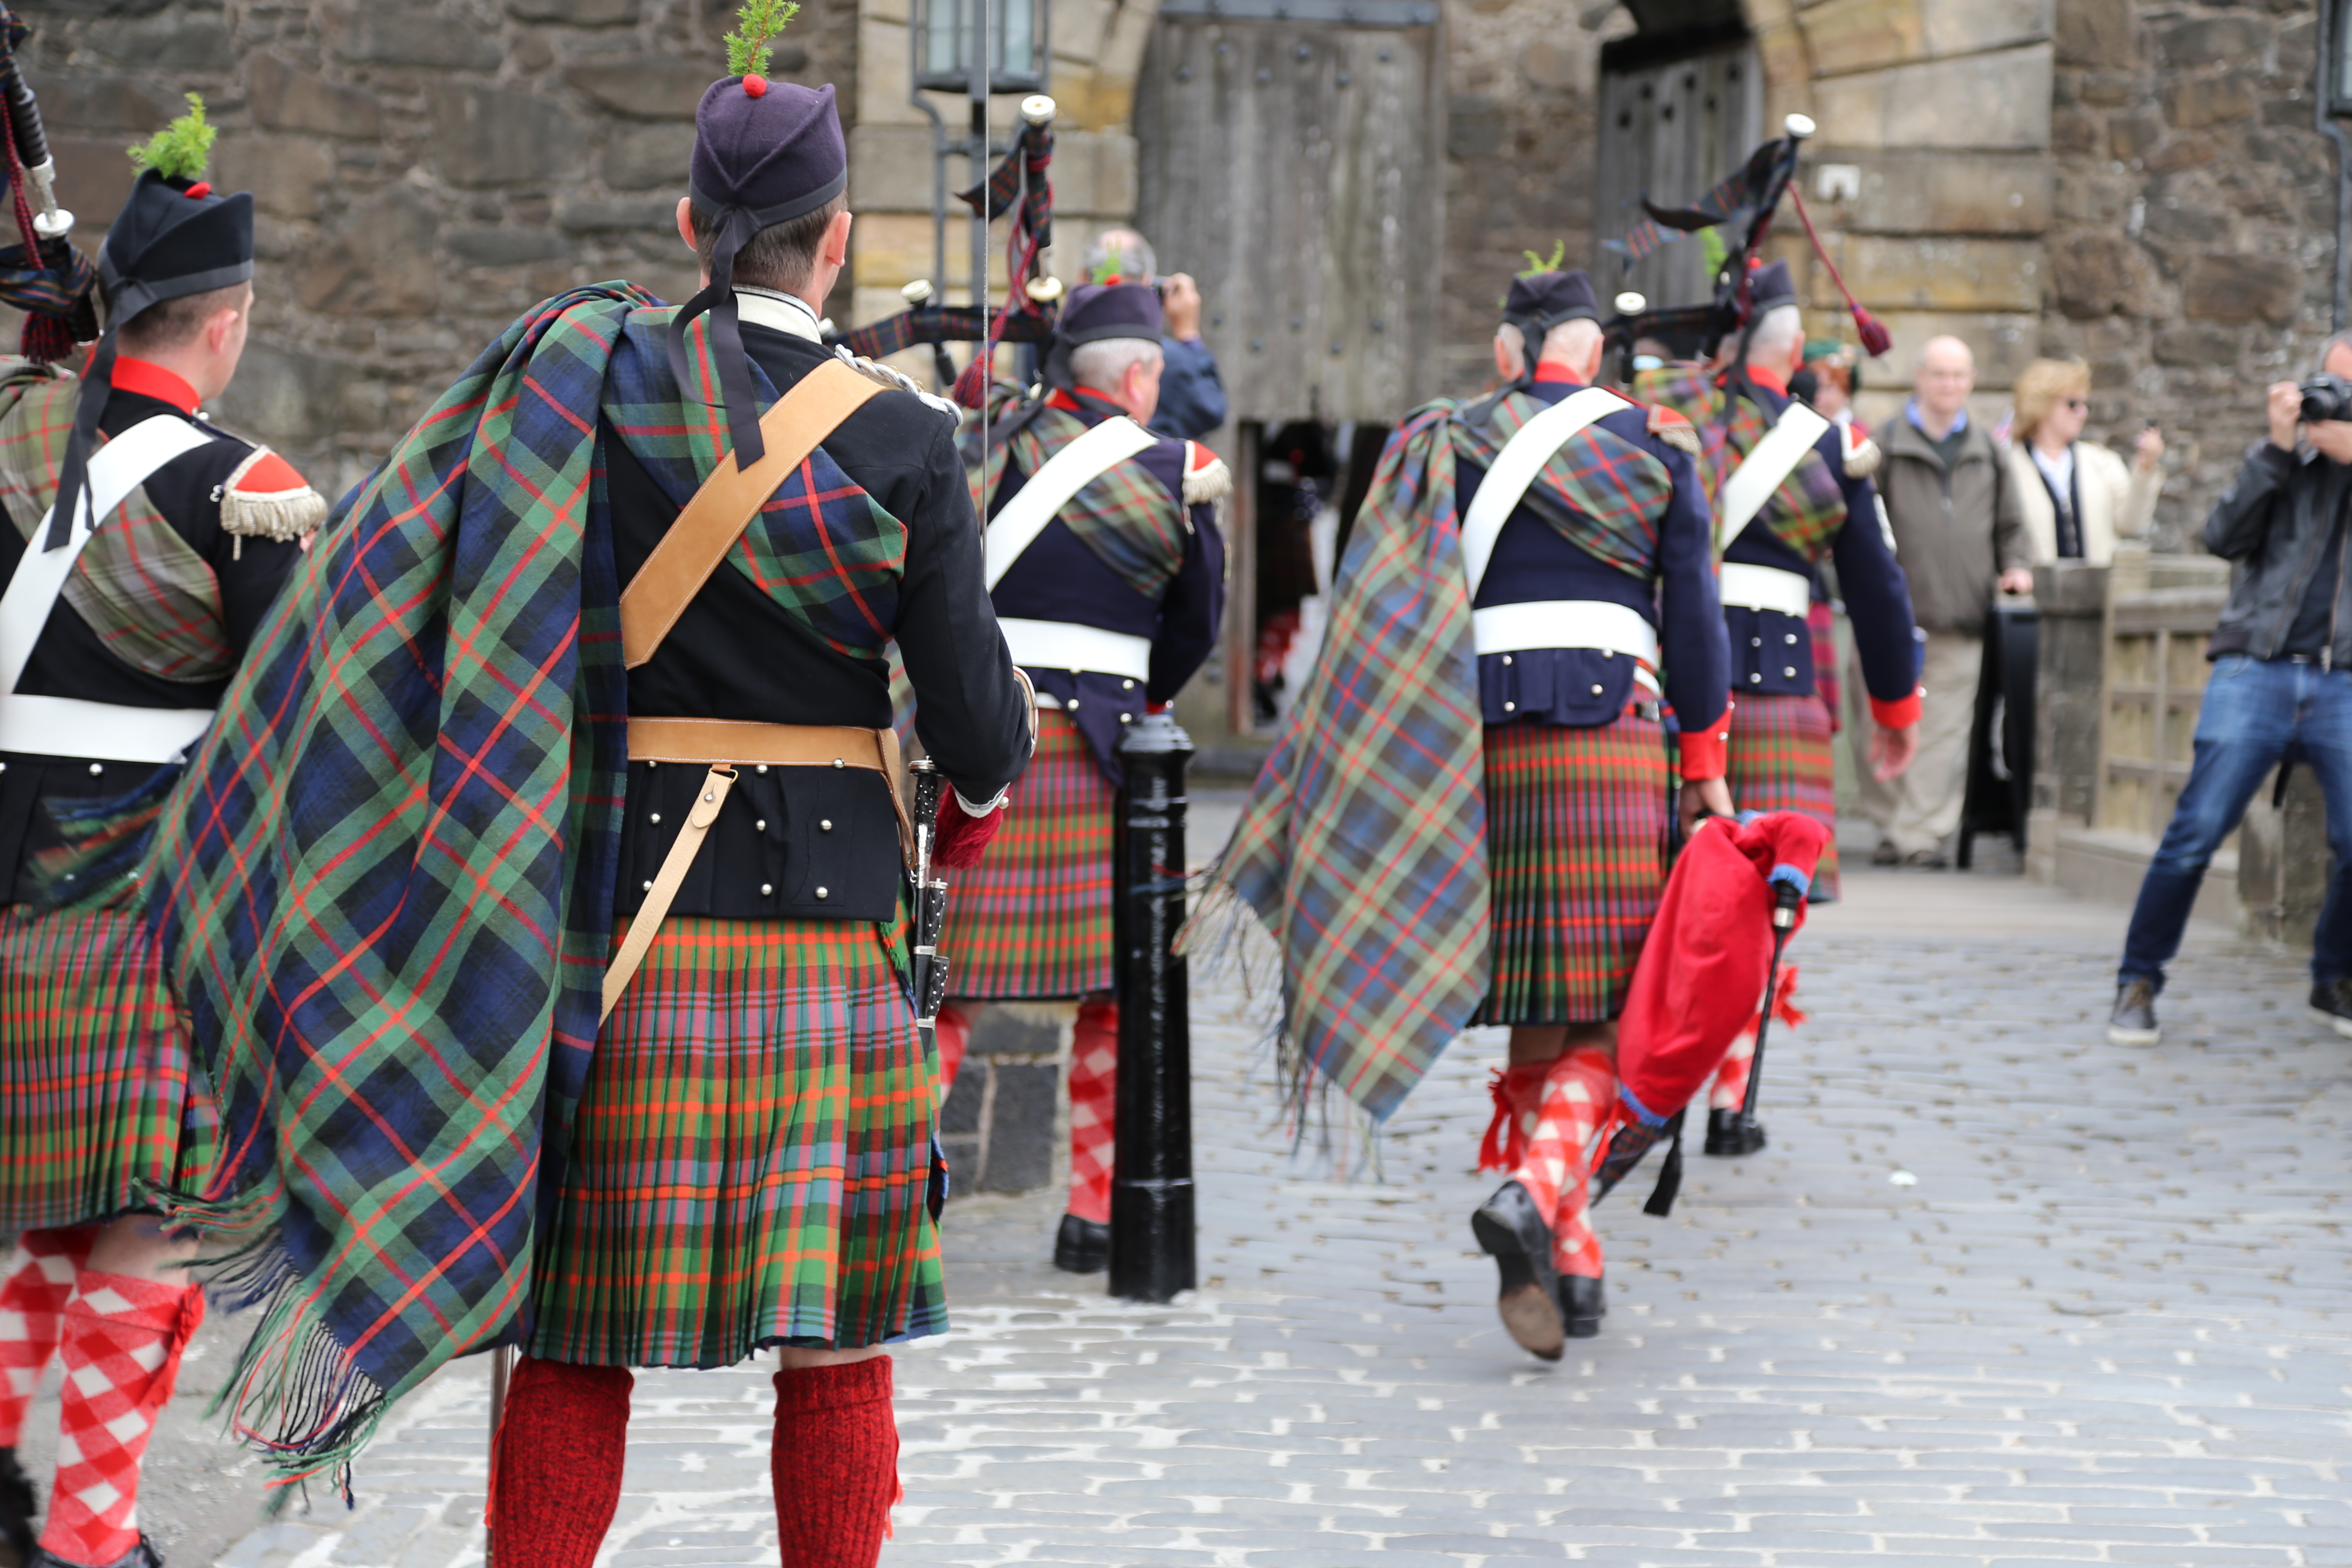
(1083,402)
(1765,378)
(1556,374)
(150,380)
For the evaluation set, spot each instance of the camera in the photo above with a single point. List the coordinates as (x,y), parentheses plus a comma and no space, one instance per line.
(2325,397)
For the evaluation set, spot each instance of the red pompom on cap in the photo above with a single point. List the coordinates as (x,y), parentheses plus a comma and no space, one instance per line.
(755,86)
(200,190)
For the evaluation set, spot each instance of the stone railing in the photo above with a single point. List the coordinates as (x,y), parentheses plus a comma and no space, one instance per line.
(2122,677)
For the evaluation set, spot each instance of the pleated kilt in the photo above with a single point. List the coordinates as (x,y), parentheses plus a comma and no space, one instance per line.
(1033,918)
(1576,856)
(100,1096)
(1779,760)
(751,1160)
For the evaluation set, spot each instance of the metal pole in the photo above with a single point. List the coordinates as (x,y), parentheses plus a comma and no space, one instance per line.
(1152,1241)
(979,167)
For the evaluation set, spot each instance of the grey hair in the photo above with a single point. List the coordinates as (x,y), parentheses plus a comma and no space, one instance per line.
(1774,333)
(2336,341)
(1566,340)
(1100,366)
(1124,249)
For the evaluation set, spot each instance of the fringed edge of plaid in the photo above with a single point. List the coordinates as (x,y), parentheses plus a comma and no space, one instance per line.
(294,1391)
(1225,935)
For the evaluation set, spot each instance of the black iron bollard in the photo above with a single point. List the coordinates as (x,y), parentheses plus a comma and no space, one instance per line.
(1152,1254)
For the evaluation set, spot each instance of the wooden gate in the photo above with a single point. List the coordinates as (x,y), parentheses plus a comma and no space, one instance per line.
(1291,158)
(1678,112)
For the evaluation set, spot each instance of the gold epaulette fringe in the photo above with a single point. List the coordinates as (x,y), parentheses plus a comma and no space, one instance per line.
(1213,483)
(281,515)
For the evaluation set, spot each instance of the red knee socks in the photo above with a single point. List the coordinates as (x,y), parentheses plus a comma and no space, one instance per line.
(1094,1107)
(555,1480)
(33,1318)
(123,1338)
(835,1463)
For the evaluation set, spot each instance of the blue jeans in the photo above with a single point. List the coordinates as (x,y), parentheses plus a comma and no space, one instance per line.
(2255,713)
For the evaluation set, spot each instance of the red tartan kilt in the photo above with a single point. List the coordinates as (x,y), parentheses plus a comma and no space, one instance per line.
(1033,918)
(96,1097)
(1576,855)
(1779,760)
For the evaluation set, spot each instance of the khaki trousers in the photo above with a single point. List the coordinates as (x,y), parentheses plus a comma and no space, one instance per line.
(1921,808)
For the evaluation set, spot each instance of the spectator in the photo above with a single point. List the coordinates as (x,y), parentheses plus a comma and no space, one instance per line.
(1191,397)
(1833,371)
(2280,686)
(2077,498)
(1953,509)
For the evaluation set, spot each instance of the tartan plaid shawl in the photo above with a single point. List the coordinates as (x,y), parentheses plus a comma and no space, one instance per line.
(385,892)
(1363,845)
(1598,491)
(1127,518)
(142,588)
(1809,507)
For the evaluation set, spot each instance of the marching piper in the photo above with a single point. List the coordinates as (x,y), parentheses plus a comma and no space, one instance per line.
(1106,568)
(148,546)
(1791,489)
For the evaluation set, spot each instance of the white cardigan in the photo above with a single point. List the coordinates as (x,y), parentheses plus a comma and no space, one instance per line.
(2119,501)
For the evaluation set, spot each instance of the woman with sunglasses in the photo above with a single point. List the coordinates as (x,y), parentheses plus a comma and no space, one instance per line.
(2078,497)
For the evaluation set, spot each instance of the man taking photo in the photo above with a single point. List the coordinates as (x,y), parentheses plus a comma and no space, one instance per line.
(2280,687)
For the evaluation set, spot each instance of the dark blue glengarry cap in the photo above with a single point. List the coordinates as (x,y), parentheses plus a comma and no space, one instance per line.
(173,237)
(765,153)
(1547,299)
(1539,301)
(1097,313)
(1770,288)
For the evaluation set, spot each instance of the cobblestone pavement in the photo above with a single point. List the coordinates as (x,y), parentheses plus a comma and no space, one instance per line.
(2097,1323)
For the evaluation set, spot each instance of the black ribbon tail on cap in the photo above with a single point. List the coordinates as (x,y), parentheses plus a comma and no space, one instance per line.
(73,472)
(725,331)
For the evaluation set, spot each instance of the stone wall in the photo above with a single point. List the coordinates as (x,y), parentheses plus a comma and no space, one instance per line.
(1522,85)
(422,171)
(2192,225)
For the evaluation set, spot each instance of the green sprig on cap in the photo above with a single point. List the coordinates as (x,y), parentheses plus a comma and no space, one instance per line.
(182,148)
(1537,266)
(763,21)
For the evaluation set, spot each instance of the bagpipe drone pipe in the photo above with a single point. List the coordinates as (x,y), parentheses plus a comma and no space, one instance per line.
(1019,185)
(1742,204)
(41,273)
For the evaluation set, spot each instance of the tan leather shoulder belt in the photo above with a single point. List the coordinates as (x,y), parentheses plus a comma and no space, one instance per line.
(650,605)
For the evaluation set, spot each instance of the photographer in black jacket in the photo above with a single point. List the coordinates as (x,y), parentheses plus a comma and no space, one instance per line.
(2280,686)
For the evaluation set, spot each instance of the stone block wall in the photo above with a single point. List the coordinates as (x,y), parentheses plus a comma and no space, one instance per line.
(2192,223)
(1004,1125)
(423,171)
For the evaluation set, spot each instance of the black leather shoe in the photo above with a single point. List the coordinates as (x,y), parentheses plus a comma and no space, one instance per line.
(1731,1133)
(1582,1304)
(1515,1233)
(2133,1022)
(1082,1246)
(142,1555)
(2332,1005)
(19,1503)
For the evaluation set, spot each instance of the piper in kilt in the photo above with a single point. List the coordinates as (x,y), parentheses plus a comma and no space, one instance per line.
(1466,816)
(1585,542)
(1106,567)
(1791,489)
(146,549)
(751,1164)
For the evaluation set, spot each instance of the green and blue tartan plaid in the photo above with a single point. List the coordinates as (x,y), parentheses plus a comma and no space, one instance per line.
(139,584)
(385,888)
(1604,493)
(1806,512)
(1127,518)
(1363,845)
